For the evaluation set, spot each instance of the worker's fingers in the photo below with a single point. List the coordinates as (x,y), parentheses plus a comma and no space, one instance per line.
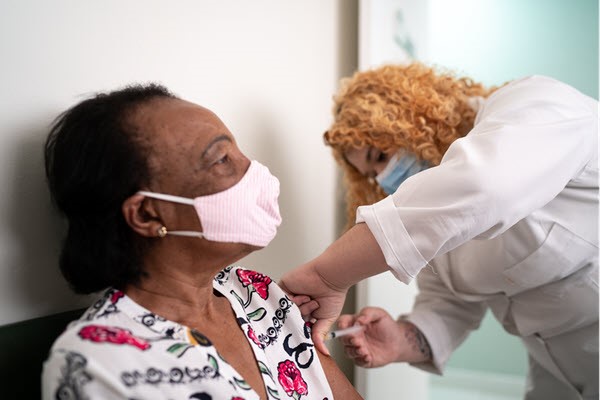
(364,362)
(350,351)
(346,321)
(355,351)
(305,303)
(300,299)
(369,315)
(357,355)
(306,309)
(355,339)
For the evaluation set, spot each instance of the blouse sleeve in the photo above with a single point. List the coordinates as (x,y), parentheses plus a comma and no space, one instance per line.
(530,139)
(71,375)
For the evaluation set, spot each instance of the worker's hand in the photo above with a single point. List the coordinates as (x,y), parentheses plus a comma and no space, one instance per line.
(384,340)
(310,290)
(378,344)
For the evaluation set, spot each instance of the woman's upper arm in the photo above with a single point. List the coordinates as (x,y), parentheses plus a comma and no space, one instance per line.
(339,384)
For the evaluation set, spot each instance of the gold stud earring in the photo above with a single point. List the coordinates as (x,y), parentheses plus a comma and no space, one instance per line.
(162,231)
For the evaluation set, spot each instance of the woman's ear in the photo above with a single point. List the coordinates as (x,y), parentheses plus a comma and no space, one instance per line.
(141,216)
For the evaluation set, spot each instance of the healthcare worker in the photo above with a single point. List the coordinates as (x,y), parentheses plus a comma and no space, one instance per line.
(492,202)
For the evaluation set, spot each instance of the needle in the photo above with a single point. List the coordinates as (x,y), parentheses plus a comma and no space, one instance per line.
(344,332)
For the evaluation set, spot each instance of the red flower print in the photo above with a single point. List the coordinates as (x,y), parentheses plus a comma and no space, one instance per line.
(237,398)
(110,334)
(291,380)
(259,282)
(252,335)
(116,296)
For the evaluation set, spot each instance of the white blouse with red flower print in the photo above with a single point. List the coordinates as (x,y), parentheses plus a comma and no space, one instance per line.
(118,349)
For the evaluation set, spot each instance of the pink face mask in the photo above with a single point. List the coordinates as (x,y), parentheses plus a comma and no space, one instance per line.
(247,212)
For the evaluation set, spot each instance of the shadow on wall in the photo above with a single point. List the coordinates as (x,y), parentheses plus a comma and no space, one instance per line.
(33,285)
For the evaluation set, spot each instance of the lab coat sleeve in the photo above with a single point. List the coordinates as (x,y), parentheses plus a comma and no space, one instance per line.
(444,319)
(530,139)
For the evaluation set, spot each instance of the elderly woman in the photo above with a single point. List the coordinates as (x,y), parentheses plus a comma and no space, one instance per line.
(496,191)
(160,201)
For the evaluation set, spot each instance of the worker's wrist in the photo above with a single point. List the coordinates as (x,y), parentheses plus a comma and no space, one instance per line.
(350,259)
(331,276)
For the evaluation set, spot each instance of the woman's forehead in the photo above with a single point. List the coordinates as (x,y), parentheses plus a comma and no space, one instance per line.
(179,122)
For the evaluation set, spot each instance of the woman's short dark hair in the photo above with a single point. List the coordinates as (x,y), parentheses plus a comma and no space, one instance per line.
(94,161)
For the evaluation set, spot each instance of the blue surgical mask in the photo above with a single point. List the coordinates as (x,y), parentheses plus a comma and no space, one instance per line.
(401,166)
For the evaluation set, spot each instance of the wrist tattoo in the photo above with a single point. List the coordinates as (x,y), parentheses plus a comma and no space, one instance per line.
(418,341)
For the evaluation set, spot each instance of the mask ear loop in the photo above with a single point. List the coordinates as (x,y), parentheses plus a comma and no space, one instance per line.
(186,233)
(162,231)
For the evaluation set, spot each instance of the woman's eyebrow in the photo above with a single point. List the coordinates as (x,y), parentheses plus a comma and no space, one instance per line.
(215,141)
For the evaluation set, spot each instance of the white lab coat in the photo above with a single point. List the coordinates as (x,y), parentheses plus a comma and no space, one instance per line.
(508,220)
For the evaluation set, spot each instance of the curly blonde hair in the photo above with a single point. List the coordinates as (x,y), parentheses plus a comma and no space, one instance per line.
(396,107)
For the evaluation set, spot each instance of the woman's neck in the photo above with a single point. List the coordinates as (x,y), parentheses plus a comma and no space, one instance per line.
(176,299)
(180,289)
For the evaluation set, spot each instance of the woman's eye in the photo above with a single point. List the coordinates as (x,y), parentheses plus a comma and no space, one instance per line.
(222,160)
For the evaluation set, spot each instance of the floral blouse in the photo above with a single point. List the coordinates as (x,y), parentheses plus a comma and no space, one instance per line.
(118,349)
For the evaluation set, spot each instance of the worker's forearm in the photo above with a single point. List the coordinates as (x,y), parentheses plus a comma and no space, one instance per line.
(353,257)
(414,348)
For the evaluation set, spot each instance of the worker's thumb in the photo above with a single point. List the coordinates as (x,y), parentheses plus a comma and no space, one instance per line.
(319,330)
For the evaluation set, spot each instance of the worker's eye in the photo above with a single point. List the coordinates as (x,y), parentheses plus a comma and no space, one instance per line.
(382,157)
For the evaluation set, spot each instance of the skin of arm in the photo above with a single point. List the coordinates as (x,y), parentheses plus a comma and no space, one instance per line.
(339,384)
(350,259)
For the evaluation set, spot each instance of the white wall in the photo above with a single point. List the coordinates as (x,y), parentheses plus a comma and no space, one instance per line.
(268,68)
